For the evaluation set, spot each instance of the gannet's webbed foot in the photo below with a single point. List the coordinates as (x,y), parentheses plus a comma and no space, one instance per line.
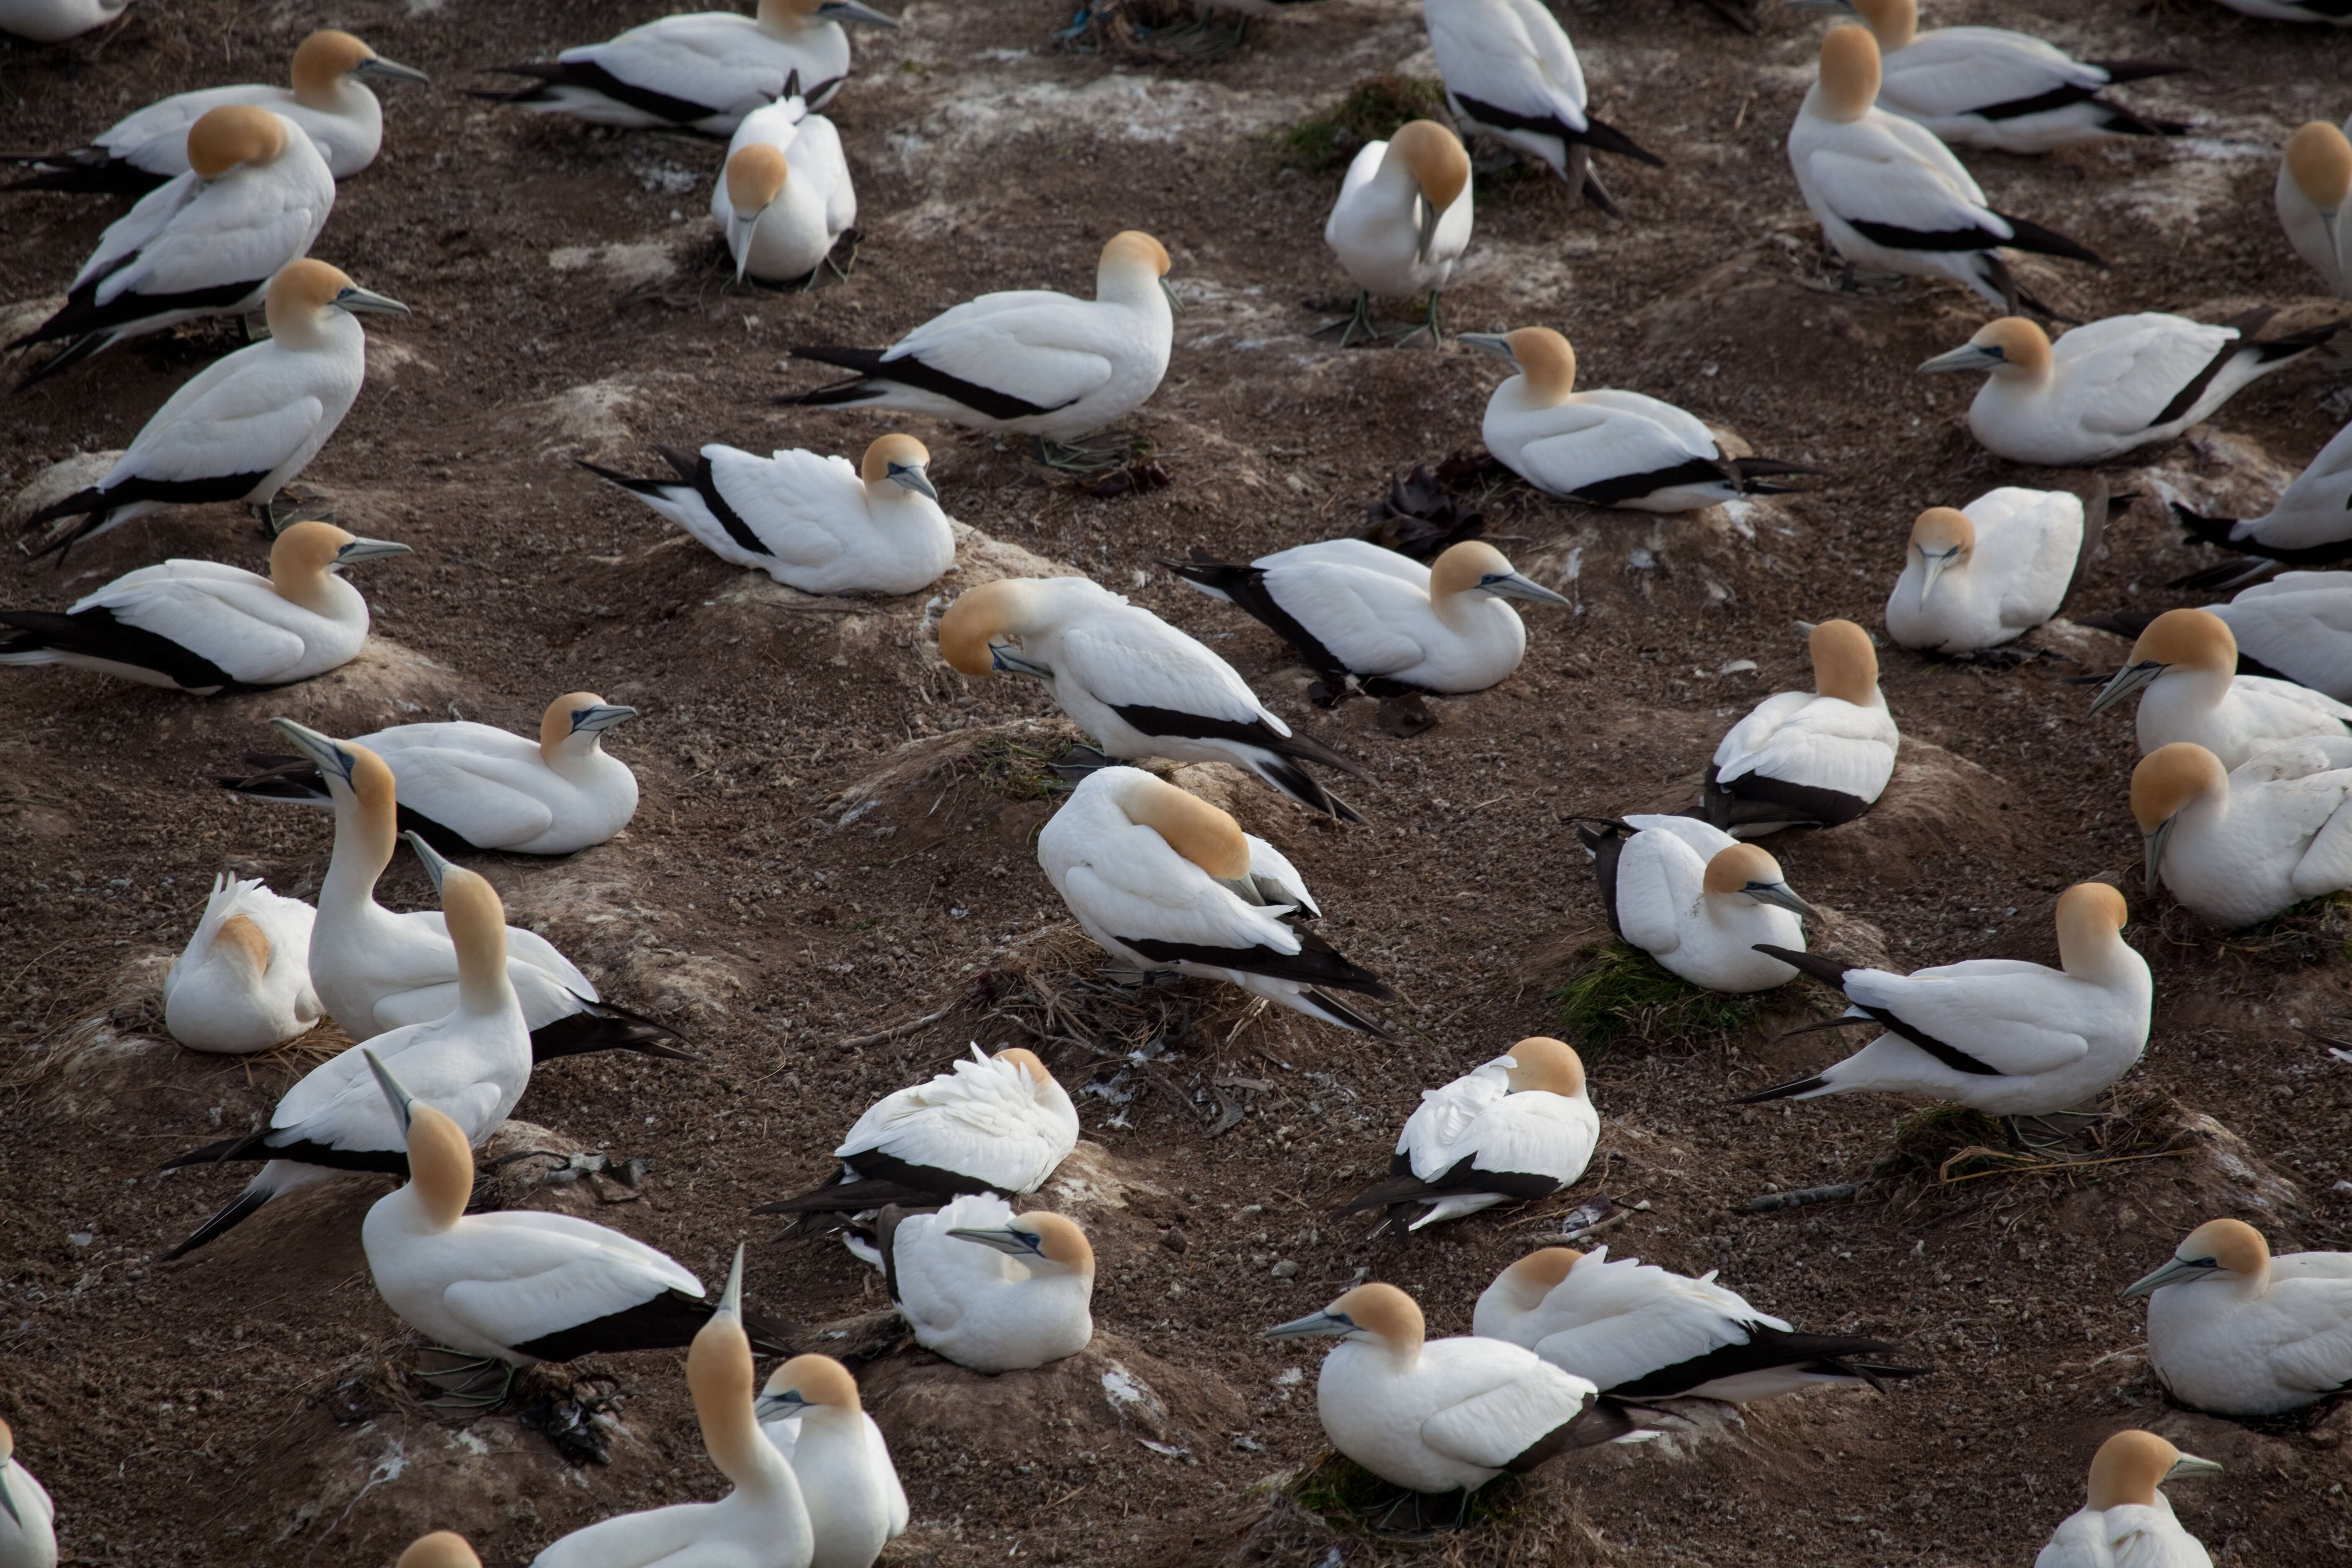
(843,257)
(467,1382)
(1359,321)
(1428,323)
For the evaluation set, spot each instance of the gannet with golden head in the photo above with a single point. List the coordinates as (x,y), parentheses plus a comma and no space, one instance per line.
(442,1549)
(811,1412)
(2239,846)
(1817,757)
(2296,627)
(243,983)
(2313,191)
(2310,524)
(2236,1331)
(2127,1523)
(986,1287)
(1696,899)
(1978,576)
(28,1536)
(54,21)
(2184,665)
(783,198)
(1402,221)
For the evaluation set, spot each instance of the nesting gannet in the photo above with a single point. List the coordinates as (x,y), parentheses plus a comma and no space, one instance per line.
(53,22)
(28,1536)
(1891,196)
(247,423)
(1357,613)
(1161,880)
(814,522)
(1518,1128)
(2128,1523)
(328,100)
(2184,667)
(243,983)
(2234,1331)
(206,627)
(1402,221)
(2310,524)
(1638,1331)
(989,1288)
(2007,1038)
(1606,447)
(783,198)
(993,1124)
(762,1523)
(1817,757)
(2238,847)
(1026,363)
(2315,189)
(1696,899)
(1138,686)
(442,1549)
(811,1412)
(1977,576)
(467,786)
(206,244)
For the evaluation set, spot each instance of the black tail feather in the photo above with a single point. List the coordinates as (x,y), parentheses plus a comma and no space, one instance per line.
(604,1027)
(2031,235)
(1829,972)
(1782,1092)
(241,1208)
(2139,70)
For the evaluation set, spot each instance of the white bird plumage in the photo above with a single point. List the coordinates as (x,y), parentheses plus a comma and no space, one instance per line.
(811,1412)
(1401,220)
(243,983)
(1511,73)
(990,1290)
(784,198)
(1819,757)
(2314,190)
(2298,624)
(1698,900)
(2127,1523)
(2237,1331)
(53,22)
(1978,576)
(2240,845)
(2309,524)
(28,1536)
(2184,665)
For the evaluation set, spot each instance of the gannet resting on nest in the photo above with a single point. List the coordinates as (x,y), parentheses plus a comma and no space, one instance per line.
(2004,1037)
(53,22)
(811,1412)
(1161,880)
(1606,447)
(2315,187)
(1638,1331)
(783,198)
(206,244)
(2185,665)
(993,1124)
(1812,758)
(2128,1523)
(762,1523)
(328,100)
(1136,684)
(247,423)
(1980,576)
(2296,627)
(815,523)
(1518,1128)
(985,1287)
(243,983)
(2240,846)
(1891,197)
(2236,1331)
(442,1549)
(2310,524)
(1696,899)
(28,1536)
(206,627)
(1402,221)
(467,786)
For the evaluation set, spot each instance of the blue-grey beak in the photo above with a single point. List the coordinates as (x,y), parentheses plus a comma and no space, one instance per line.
(1430,218)
(912,476)
(360,549)
(745,222)
(601,716)
(386,70)
(2174,1273)
(778,1406)
(731,1301)
(1937,559)
(362,301)
(329,755)
(1778,893)
(853,11)
(2128,680)
(1514,585)
(2155,843)
(436,866)
(1005,1238)
(1009,661)
(1324,1322)
(399,1097)
(1494,343)
(1968,356)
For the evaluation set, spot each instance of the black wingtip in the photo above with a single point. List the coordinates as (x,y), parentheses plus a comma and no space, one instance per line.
(1782,1092)
(604,1026)
(2027,234)
(238,1211)
(1335,1011)
(1602,137)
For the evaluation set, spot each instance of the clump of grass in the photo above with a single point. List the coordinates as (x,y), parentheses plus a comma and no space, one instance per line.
(1368,111)
(1623,993)
(1339,1487)
(1017,771)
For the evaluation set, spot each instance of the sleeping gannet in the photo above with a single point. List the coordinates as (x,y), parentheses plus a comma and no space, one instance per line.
(2313,191)
(1136,684)
(206,244)
(986,1287)
(53,22)
(762,1523)
(1807,758)
(206,627)
(328,98)
(2310,524)
(2128,1523)
(1400,221)
(2239,846)
(1978,576)
(442,1549)
(243,983)
(2185,667)
(1518,1128)
(811,1412)
(814,523)
(783,198)
(2236,1331)
(2004,1037)
(1696,899)
(1161,880)
(28,1536)
(1638,1331)
(1891,197)
(248,421)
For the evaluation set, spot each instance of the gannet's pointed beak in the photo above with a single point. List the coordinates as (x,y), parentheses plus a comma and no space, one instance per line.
(2191,1465)
(362,301)
(330,757)
(1494,343)
(1324,1322)
(2128,680)
(778,1406)
(2155,843)
(1517,586)
(360,549)
(1936,563)
(1005,1238)
(853,11)
(1167,292)
(1430,218)
(390,71)
(602,717)
(1779,893)
(914,477)
(2174,1273)
(400,1097)
(1010,661)
(1968,356)
(744,224)
(731,1301)
(436,866)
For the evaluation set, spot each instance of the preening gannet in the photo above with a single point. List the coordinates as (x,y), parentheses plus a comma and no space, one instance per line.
(815,523)
(442,1549)
(762,1523)
(1358,613)
(1696,899)
(811,1412)
(2315,188)
(1891,196)
(2184,667)
(1402,221)
(2310,524)
(206,627)
(2007,1038)
(328,100)
(1638,1331)
(986,1287)
(2240,846)
(1161,880)
(1518,1128)
(206,244)
(1138,686)
(54,21)
(28,1536)
(784,198)
(467,786)
(243,983)
(2234,1331)
(247,423)
(1977,576)
(1817,757)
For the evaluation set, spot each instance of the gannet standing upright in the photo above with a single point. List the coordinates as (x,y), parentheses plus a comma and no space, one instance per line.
(986,1287)
(2184,667)
(784,198)
(811,1412)
(2127,1523)
(54,21)
(2241,845)
(1978,576)
(1696,899)
(243,983)
(2234,1331)
(28,1536)
(1402,221)
(2313,191)
(1807,758)
(2310,524)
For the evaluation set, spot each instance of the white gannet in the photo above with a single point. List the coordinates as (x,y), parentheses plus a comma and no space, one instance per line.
(2296,627)
(1696,899)
(701,71)
(1606,447)
(243,983)
(2128,1523)
(811,1412)
(1978,576)
(247,423)
(2239,846)
(1400,221)
(2184,667)
(442,1549)
(467,786)
(1026,363)
(1136,684)
(986,1287)
(53,22)
(762,1523)
(2004,1037)
(1638,1331)
(472,1065)
(2310,524)
(1518,1128)
(28,1536)
(1356,612)
(206,244)
(2329,12)
(783,198)
(1807,758)
(328,98)
(993,1124)
(2315,189)
(2234,1330)
(1161,880)
(206,627)
(812,522)
(2111,386)
(1891,197)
